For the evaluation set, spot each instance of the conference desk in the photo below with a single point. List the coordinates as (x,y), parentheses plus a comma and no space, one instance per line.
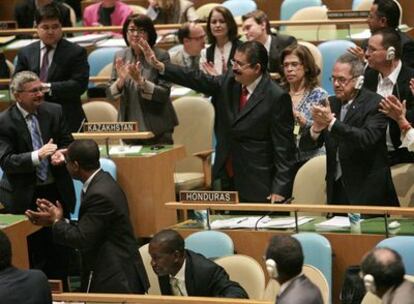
(17,228)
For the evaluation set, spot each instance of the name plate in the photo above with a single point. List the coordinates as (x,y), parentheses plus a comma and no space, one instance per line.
(347,14)
(225,197)
(110,127)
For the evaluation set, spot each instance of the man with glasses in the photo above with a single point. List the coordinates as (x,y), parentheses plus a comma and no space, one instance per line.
(32,136)
(192,37)
(62,66)
(353,131)
(253,123)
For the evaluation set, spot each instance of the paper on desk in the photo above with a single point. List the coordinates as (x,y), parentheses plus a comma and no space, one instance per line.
(119,149)
(20,43)
(266,222)
(177,91)
(335,223)
(113,42)
(91,38)
(2,96)
(361,35)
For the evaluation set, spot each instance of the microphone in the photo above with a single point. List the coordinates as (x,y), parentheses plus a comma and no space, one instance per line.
(81,125)
(89,281)
(285,201)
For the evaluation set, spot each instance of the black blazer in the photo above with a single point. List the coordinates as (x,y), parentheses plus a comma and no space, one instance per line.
(204,278)
(300,290)
(277,45)
(360,140)
(18,183)
(105,239)
(259,138)
(210,52)
(68,74)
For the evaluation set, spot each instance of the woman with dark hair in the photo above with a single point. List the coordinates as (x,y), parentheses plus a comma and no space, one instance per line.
(145,97)
(300,79)
(223,38)
(171,11)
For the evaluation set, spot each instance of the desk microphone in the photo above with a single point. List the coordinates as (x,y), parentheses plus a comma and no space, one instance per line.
(285,201)
(81,125)
(89,281)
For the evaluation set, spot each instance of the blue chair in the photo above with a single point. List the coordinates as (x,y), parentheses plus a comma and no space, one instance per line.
(100,58)
(404,245)
(317,252)
(289,7)
(355,4)
(212,244)
(330,51)
(240,7)
(106,165)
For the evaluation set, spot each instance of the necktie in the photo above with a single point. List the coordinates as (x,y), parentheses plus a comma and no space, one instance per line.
(37,143)
(193,62)
(243,98)
(175,287)
(344,110)
(45,64)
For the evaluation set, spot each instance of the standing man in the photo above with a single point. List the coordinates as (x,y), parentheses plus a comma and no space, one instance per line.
(253,123)
(388,76)
(353,131)
(192,36)
(32,134)
(256,27)
(62,66)
(104,236)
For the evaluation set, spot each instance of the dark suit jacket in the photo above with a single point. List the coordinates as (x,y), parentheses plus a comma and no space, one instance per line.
(403,92)
(259,138)
(105,239)
(210,52)
(278,44)
(68,74)
(300,291)
(24,286)
(403,294)
(18,183)
(360,139)
(204,278)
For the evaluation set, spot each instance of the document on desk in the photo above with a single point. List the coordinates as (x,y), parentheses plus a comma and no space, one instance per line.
(120,149)
(265,222)
(113,42)
(337,223)
(18,44)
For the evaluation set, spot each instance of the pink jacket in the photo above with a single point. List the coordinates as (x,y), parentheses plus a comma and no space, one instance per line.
(118,17)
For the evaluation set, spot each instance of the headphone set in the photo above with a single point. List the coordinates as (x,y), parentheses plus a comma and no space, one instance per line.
(271,268)
(369,283)
(359,82)
(390,53)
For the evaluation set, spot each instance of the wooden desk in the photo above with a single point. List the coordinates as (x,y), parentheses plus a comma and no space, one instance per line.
(17,231)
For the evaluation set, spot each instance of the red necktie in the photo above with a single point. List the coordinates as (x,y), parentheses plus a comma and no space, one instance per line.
(243,98)
(45,64)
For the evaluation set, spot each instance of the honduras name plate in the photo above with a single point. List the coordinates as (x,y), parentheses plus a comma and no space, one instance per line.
(225,197)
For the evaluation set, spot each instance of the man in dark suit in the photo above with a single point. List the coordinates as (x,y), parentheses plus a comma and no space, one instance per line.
(185,273)
(387,76)
(62,66)
(253,123)
(17,285)
(256,27)
(383,274)
(284,262)
(32,134)
(353,131)
(104,236)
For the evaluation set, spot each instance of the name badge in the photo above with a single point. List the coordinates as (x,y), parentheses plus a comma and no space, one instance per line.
(225,197)
(110,127)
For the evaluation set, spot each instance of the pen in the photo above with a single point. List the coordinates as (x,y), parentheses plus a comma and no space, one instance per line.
(241,220)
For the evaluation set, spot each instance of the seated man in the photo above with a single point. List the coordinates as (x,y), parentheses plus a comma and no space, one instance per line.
(383,273)
(183,272)
(284,261)
(20,286)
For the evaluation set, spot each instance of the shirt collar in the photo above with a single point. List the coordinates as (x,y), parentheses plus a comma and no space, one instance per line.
(268,42)
(180,275)
(394,74)
(88,181)
(22,111)
(251,87)
(42,45)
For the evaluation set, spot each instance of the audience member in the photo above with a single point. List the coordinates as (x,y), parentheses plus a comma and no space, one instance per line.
(253,123)
(383,274)
(106,13)
(182,272)
(62,66)
(300,78)
(386,14)
(104,236)
(223,39)
(353,131)
(192,37)
(17,285)
(171,11)
(256,27)
(32,134)
(284,261)
(145,97)
(387,75)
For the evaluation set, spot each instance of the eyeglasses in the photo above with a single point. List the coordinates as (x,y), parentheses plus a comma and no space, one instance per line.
(47,28)
(341,80)
(294,65)
(34,91)
(240,65)
(136,31)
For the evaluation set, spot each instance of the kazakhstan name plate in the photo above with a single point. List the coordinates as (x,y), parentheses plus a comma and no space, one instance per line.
(109,127)
(225,197)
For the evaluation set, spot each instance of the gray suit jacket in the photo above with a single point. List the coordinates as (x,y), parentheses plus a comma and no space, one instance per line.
(179,58)
(403,294)
(300,291)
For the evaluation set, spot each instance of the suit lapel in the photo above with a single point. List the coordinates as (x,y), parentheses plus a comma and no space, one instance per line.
(34,58)
(189,279)
(21,126)
(59,53)
(43,125)
(354,108)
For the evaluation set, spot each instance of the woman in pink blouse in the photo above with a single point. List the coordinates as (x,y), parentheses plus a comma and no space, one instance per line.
(105,13)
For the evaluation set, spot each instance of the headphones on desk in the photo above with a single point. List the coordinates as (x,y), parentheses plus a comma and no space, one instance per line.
(390,53)
(369,283)
(271,268)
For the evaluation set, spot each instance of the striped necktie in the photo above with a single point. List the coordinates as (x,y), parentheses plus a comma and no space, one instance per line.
(37,143)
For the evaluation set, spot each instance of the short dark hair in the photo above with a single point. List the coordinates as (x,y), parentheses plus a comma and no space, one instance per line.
(309,65)
(231,24)
(255,52)
(48,12)
(387,271)
(390,10)
(286,251)
(184,31)
(141,21)
(5,251)
(170,239)
(390,37)
(259,17)
(85,152)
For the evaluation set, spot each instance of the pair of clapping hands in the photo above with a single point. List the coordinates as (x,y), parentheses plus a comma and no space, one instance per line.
(50,149)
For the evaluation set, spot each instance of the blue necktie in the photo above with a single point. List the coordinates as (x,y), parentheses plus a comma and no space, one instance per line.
(37,143)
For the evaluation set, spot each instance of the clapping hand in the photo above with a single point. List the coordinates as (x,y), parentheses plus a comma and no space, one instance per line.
(393,108)
(150,55)
(322,117)
(58,157)
(46,214)
(134,70)
(357,51)
(209,69)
